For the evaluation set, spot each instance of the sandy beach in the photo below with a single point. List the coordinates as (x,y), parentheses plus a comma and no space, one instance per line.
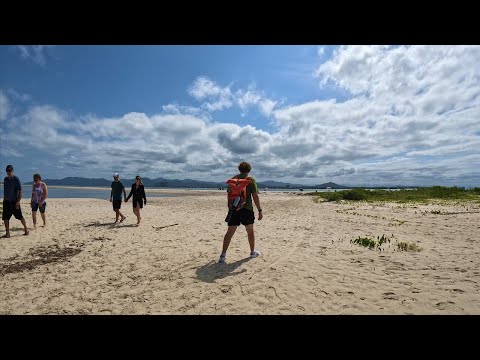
(83,264)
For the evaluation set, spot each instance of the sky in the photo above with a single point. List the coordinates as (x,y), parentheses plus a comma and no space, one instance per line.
(352,115)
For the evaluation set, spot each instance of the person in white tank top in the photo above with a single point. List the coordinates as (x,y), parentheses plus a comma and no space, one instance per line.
(39,195)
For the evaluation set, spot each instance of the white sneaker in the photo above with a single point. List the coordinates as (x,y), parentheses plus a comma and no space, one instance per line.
(222,258)
(254,254)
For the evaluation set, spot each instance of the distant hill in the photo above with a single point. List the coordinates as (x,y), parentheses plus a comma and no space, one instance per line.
(176,183)
(187,183)
(76,181)
(159,182)
(195,184)
(330,185)
(279,185)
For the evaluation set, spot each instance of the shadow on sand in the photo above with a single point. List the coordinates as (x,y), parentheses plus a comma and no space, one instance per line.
(213,270)
(109,225)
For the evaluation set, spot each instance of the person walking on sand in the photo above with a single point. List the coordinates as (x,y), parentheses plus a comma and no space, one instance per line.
(116,197)
(12,194)
(39,195)
(241,210)
(139,198)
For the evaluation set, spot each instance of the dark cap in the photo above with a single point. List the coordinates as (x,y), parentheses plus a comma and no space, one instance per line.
(9,168)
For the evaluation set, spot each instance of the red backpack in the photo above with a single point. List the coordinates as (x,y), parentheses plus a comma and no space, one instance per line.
(237,192)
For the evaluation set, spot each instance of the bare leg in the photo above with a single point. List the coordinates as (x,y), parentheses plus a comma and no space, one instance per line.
(251,236)
(123,217)
(117,211)
(34,217)
(228,237)
(44,219)
(138,214)
(7,228)
(24,226)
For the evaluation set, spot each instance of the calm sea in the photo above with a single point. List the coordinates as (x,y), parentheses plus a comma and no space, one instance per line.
(54,192)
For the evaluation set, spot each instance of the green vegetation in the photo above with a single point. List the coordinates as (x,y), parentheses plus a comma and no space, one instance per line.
(401,196)
(365,242)
(412,247)
(373,244)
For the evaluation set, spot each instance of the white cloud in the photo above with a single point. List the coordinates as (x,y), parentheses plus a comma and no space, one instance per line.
(216,98)
(4,106)
(407,103)
(266,106)
(36,53)
(181,109)
(19,96)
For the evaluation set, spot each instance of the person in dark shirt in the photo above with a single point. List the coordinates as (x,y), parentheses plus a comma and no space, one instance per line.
(139,198)
(12,194)
(116,197)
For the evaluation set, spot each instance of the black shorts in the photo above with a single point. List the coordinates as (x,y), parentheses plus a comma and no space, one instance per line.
(9,209)
(117,204)
(242,216)
(36,206)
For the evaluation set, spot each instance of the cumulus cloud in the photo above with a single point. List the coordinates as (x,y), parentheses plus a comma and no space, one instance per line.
(214,97)
(407,102)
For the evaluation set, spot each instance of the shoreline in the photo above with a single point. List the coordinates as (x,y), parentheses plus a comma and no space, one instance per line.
(185,191)
(163,190)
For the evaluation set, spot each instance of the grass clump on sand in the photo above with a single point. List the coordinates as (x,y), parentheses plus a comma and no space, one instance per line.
(373,244)
(410,247)
(420,195)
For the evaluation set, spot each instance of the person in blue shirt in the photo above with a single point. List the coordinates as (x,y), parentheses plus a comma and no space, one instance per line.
(116,197)
(12,194)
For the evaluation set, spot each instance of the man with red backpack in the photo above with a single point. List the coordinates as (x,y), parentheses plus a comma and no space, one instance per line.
(241,189)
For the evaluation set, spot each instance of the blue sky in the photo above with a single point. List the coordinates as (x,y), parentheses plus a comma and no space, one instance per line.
(354,115)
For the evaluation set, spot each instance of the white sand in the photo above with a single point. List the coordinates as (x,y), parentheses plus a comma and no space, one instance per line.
(82,264)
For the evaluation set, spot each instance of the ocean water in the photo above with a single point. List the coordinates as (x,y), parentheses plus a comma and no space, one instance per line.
(55,193)
(79,192)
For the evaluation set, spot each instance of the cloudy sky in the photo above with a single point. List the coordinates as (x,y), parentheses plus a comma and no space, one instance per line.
(353,115)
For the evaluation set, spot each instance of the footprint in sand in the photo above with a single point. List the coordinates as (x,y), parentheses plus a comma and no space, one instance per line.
(456,291)
(226,288)
(390,296)
(444,305)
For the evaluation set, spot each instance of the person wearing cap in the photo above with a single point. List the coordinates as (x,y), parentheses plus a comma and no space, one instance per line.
(12,194)
(116,197)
